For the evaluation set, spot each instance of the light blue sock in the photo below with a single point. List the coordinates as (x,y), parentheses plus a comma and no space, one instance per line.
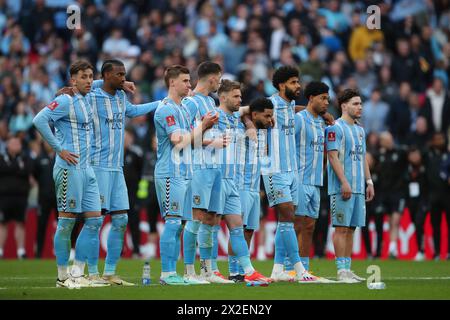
(215,247)
(241,270)
(340,263)
(190,241)
(240,249)
(348,263)
(290,241)
(167,243)
(305,262)
(176,252)
(61,240)
(233,265)
(280,251)
(205,241)
(114,244)
(88,243)
(288,266)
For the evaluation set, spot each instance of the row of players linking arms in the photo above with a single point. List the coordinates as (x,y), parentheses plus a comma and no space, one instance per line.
(199,184)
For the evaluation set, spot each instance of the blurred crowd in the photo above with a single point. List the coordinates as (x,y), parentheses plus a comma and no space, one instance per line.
(402,71)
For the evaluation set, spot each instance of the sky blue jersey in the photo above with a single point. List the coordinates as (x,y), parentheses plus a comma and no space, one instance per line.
(350,142)
(109,112)
(230,124)
(309,140)
(282,136)
(170,118)
(199,105)
(254,154)
(72,119)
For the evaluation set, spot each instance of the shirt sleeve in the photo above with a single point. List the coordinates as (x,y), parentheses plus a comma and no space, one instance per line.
(56,110)
(168,119)
(333,138)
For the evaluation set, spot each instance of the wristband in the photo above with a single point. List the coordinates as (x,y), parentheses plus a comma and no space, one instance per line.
(369,181)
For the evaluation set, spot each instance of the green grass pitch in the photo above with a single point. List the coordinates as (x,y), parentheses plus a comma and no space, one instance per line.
(35,279)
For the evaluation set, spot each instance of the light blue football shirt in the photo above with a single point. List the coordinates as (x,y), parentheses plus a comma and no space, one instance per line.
(229,124)
(109,115)
(252,166)
(72,119)
(199,105)
(350,142)
(282,136)
(170,118)
(310,140)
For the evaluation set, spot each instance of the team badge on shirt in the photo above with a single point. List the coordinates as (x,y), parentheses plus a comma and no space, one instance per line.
(170,121)
(331,136)
(52,106)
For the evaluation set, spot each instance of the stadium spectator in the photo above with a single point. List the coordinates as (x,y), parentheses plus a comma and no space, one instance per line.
(374,113)
(362,38)
(15,172)
(43,173)
(392,161)
(416,196)
(151,200)
(132,170)
(374,212)
(399,117)
(437,108)
(438,188)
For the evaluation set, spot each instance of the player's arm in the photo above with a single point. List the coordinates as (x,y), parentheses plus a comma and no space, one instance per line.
(206,139)
(333,159)
(250,128)
(370,190)
(54,111)
(136,110)
(333,137)
(244,110)
(207,122)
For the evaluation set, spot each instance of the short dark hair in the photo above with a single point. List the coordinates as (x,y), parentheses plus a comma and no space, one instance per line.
(173,72)
(109,64)
(260,104)
(283,74)
(346,95)
(315,88)
(80,65)
(227,86)
(206,68)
